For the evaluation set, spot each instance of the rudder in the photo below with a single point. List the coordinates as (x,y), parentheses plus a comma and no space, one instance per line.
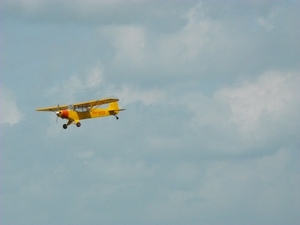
(113,106)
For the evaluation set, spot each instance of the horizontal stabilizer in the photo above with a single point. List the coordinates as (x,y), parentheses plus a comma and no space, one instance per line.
(116,110)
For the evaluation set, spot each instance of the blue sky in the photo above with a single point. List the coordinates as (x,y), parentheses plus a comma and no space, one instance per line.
(210,134)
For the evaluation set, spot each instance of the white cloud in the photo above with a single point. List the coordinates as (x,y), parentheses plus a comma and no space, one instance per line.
(129,41)
(119,169)
(130,94)
(191,42)
(77,84)
(242,118)
(271,96)
(261,186)
(9,110)
(179,154)
(204,189)
(267,22)
(96,80)
(195,39)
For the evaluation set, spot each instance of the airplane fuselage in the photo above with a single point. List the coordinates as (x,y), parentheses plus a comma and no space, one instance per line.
(77,116)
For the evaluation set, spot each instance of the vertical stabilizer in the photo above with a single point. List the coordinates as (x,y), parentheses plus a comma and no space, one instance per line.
(113,106)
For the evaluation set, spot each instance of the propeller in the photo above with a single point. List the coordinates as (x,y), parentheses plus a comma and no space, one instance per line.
(57,112)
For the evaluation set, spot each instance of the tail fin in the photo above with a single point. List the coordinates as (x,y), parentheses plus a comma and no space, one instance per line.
(113,109)
(113,106)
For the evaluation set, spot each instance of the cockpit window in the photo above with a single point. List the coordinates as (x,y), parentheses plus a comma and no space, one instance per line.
(81,109)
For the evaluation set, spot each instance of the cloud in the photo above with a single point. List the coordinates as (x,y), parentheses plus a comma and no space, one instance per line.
(129,41)
(228,184)
(10,112)
(267,22)
(76,84)
(204,46)
(247,117)
(151,58)
(271,96)
(211,128)
(97,84)
(235,119)
(130,94)
(95,13)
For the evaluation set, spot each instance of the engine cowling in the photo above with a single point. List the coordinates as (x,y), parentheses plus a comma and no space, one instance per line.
(64,114)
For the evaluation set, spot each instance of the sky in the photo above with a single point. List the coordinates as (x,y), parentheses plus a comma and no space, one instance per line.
(210,134)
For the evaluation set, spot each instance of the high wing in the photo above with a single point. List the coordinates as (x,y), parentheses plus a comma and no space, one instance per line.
(89,104)
(53,108)
(94,103)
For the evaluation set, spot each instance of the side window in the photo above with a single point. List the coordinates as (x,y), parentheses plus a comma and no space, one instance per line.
(81,109)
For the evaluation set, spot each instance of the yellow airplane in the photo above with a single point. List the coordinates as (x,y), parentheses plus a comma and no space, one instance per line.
(85,110)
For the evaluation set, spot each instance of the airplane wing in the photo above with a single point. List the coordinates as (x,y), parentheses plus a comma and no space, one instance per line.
(94,103)
(89,104)
(53,108)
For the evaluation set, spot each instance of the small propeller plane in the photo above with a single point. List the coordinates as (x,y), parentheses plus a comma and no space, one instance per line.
(85,110)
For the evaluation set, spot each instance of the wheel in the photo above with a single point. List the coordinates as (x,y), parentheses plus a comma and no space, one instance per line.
(65,126)
(78,124)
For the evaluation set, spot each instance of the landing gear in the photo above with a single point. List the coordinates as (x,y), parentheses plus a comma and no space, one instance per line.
(65,126)
(116,117)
